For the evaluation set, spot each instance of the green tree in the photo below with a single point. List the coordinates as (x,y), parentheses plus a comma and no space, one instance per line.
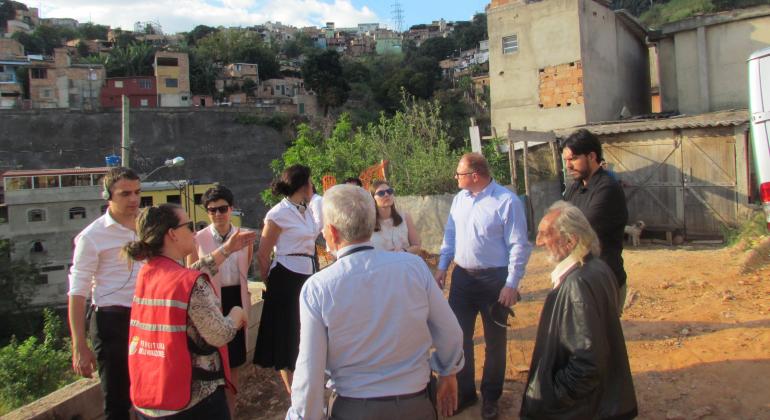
(91,31)
(414,140)
(467,36)
(238,46)
(199,32)
(32,369)
(82,48)
(437,48)
(133,60)
(322,73)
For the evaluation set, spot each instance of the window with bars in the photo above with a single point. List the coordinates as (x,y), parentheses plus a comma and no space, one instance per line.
(510,44)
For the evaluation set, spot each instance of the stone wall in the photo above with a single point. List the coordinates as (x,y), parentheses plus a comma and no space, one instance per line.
(216,148)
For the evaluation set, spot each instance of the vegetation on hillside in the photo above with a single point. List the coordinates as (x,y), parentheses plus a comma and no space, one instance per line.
(657,13)
(34,368)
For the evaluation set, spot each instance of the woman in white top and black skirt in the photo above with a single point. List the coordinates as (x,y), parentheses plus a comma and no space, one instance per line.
(393,231)
(289,234)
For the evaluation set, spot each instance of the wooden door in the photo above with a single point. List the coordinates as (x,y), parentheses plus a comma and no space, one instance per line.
(708,166)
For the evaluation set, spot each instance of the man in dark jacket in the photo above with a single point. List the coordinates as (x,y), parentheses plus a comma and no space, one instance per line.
(580,366)
(600,197)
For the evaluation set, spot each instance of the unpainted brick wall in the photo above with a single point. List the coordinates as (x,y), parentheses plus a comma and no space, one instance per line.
(561,85)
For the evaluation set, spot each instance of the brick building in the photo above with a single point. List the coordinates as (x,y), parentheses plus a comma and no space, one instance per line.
(59,83)
(561,63)
(11,58)
(141,91)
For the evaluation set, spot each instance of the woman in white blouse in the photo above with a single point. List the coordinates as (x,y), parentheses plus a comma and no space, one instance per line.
(392,231)
(289,234)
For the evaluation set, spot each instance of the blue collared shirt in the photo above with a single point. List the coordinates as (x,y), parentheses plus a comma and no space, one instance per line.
(369,321)
(487,230)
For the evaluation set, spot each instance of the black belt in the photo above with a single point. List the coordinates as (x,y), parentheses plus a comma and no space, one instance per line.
(112,309)
(422,393)
(313,259)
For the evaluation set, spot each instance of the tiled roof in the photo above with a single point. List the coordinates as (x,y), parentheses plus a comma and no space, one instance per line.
(70,171)
(728,118)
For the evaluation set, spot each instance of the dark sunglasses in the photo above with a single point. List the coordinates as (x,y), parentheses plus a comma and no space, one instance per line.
(190,225)
(383,193)
(220,209)
(499,314)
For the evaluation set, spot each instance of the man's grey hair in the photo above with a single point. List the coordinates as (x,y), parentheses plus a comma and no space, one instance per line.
(571,222)
(351,210)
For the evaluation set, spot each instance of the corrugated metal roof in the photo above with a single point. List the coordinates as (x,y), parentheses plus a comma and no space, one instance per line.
(37,172)
(729,118)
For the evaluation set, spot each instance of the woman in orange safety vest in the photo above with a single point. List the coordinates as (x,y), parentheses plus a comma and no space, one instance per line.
(178,363)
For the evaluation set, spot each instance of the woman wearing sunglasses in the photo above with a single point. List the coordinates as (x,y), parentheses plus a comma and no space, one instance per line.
(392,230)
(178,361)
(289,235)
(231,282)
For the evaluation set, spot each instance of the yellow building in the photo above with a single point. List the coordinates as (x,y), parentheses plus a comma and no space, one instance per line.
(186,195)
(172,76)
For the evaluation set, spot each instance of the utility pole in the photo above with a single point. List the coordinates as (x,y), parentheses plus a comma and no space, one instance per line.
(125,140)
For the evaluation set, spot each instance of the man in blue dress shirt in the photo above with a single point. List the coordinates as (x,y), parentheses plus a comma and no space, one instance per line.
(370,320)
(486,237)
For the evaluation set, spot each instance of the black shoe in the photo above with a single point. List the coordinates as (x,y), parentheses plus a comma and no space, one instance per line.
(489,410)
(463,404)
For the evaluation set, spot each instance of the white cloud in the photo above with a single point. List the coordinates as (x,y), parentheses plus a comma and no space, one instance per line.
(183,15)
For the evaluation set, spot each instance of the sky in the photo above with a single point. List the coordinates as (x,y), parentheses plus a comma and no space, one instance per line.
(183,15)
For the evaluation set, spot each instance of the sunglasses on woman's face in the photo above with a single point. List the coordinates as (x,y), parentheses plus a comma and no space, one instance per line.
(220,209)
(383,193)
(189,225)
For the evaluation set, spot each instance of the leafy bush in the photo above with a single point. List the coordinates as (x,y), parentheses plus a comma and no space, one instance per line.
(414,141)
(30,370)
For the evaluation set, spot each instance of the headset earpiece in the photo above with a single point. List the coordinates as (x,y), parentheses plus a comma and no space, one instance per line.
(106,193)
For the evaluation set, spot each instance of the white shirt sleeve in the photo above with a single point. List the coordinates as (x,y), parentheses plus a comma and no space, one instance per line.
(85,262)
(307,390)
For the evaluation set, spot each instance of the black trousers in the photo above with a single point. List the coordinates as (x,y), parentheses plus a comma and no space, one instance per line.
(473,292)
(213,407)
(109,336)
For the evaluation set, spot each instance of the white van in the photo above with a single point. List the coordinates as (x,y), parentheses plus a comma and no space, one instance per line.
(759,107)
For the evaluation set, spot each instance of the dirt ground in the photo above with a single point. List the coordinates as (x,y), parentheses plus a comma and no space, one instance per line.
(697,332)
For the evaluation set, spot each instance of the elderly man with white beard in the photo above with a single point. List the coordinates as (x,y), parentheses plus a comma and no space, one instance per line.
(580,366)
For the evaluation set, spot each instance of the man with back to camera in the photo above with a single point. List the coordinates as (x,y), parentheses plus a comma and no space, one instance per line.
(486,236)
(601,199)
(98,270)
(370,320)
(579,367)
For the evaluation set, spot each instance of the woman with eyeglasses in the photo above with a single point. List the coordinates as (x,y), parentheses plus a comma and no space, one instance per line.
(177,356)
(392,230)
(231,281)
(289,234)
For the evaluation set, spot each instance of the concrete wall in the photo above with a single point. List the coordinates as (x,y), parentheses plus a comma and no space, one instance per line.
(703,59)
(430,214)
(215,147)
(615,65)
(549,35)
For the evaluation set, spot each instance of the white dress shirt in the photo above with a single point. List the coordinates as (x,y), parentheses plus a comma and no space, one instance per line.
(369,320)
(487,230)
(98,269)
(298,233)
(230,274)
(315,206)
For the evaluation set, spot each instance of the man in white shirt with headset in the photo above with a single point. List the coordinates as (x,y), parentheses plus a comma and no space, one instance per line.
(98,270)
